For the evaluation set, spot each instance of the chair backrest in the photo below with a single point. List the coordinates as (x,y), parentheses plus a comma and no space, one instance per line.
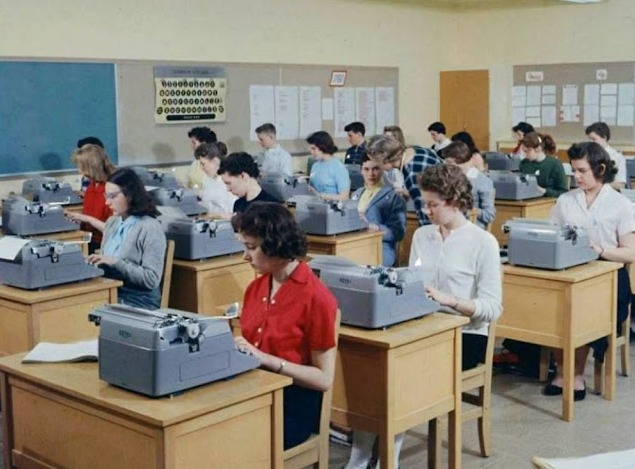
(489,350)
(167,274)
(327,396)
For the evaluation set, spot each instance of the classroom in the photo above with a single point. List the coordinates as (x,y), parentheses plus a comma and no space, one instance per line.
(420,39)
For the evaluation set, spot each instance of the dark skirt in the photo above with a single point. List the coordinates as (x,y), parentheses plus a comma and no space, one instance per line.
(147,299)
(600,345)
(301,414)
(474,348)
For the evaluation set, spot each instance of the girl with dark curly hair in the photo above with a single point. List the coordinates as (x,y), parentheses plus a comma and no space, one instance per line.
(461,270)
(133,245)
(288,315)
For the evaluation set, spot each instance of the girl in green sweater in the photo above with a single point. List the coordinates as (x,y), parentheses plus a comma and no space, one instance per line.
(548,170)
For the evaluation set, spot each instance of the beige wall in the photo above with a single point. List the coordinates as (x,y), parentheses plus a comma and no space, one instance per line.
(355,32)
(498,39)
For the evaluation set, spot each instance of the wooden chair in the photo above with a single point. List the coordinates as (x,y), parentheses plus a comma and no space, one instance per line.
(622,343)
(167,274)
(315,450)
(480,379)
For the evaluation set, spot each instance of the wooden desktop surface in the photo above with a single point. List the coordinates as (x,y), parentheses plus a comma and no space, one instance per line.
(362,247)
(77,236)
(564,310)
(63,415)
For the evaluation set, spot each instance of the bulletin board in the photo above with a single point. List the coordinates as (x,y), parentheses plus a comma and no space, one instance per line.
(563,99)
(45,107)
(302,87)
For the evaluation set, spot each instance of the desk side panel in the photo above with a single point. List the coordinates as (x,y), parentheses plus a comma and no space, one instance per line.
(15,330)
(363,251)
(58,433)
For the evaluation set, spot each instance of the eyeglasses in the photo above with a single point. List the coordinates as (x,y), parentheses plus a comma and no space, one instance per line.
(111,195)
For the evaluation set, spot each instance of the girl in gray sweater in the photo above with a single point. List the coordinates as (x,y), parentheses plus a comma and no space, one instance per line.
(133,245)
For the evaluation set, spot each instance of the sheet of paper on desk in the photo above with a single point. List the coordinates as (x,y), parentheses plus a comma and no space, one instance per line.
(171,212)
(10,246)
(48,352)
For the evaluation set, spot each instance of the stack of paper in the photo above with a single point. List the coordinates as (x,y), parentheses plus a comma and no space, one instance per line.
(47,352)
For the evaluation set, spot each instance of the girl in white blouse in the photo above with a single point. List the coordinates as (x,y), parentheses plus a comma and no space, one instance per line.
(214,195)
(461,270)
(610,221)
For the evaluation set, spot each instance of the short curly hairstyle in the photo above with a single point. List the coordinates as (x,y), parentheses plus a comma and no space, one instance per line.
(385,149)
(274,225)
(449,182)
(602,166)
(209,151)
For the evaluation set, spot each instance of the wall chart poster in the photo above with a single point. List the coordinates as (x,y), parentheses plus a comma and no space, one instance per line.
(189,94)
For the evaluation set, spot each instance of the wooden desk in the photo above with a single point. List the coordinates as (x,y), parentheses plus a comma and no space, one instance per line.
(201,286)
(388,381)
(54,314)
(77,208)
(565,310)
(508,209)
(363,247)
(412,223)
(63,416)
(78,236)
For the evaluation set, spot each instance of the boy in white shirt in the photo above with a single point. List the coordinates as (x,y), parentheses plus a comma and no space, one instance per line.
(600,133)
(215,197)
(437,132)
(273,158)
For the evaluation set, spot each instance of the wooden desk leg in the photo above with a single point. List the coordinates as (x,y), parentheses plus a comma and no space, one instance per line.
(609,366)
(387,427)
(434,445)
(568,369)
(277,431)
(7,419)
(387,448)
(454,420)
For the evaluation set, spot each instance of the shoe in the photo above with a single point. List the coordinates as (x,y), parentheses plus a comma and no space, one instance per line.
(552,390)
(579,394)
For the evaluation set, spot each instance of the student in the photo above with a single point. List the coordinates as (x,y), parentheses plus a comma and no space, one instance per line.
(520,130)
(214,195)
(329,177)
(94,165)
(608,218)
(133,246)
(273,158)
(600,133)
(355,132)
(461,270)
(198,135)
(437,132)
(477,159)
(548,170)
(288,315)
(458,153)
(391,153)
(394,175)
(240,174)
(88,141)
(382,207)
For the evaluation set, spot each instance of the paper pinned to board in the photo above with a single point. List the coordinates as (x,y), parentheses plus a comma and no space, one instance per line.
(10,247)
(48,352)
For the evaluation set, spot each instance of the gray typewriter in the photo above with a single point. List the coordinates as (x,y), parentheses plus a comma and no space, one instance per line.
(26,218)
(40,264)
(155,178)
(546,245)
(165,351)
(374,296)
(48,190)
(497,161)
(184,199)
(283,187)
(327,217)
(200,239)
(514,186)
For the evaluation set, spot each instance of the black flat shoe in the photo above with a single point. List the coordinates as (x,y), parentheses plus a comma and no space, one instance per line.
(552,390)
(579,394)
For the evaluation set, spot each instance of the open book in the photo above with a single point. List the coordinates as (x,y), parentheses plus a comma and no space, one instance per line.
(47,352)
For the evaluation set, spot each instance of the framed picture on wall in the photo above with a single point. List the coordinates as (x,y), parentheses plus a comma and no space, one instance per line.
(338,77)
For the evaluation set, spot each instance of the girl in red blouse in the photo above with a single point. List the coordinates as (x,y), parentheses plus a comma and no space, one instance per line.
(288,315)
(93,163)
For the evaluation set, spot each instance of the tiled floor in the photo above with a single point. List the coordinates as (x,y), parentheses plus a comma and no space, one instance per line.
(525,423)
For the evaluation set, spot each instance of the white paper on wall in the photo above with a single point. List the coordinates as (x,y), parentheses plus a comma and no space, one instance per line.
(591,114)
(327,109)
(548,116)
(384,107)
(533,95)
(591,95)
(625,116)
(344,107)
(626,94)
(608,88)
(365,108)
(569,95)
(518,115)
(287,112)
(310,110)
(261,108)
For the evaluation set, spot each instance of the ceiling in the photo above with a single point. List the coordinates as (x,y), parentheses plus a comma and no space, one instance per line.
(475,4)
